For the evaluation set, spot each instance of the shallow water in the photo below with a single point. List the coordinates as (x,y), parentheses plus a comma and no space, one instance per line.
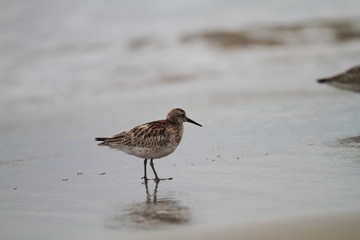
(274,144)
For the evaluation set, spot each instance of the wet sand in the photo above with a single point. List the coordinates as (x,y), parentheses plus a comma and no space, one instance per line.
(330,228)
(251,168)
(278,154)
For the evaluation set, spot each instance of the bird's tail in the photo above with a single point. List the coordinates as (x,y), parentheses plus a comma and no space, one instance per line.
(100,139)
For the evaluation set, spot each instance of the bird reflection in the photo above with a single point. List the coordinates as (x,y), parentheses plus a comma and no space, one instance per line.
(156,211)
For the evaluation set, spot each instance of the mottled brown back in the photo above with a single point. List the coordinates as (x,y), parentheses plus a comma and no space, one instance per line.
(149,135)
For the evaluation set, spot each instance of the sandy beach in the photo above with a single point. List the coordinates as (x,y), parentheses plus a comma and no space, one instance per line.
(331,227)
(278,156)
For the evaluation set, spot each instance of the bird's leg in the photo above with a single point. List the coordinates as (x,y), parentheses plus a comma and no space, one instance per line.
(157,179)
(145,177)
(153,168)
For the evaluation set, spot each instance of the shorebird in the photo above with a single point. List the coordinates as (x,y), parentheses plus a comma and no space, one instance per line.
(349,80)
(151,140)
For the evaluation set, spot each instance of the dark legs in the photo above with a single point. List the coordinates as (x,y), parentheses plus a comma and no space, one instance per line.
(157,179)
(145,177)
(152,166)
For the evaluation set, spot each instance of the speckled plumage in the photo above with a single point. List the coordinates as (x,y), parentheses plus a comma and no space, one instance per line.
(151,140)
(349,80)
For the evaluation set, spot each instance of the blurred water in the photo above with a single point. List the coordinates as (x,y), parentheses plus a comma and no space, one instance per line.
(54,51)
(274,145)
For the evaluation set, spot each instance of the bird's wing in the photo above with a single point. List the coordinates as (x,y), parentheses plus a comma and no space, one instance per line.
(147,135)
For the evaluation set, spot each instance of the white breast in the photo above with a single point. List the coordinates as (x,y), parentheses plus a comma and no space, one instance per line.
(150,153)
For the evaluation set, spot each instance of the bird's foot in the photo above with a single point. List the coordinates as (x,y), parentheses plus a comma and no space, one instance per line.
(157,180)
(145,179)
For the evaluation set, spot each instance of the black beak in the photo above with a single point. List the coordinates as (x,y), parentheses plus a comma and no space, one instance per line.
(322,80)
(193,122)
